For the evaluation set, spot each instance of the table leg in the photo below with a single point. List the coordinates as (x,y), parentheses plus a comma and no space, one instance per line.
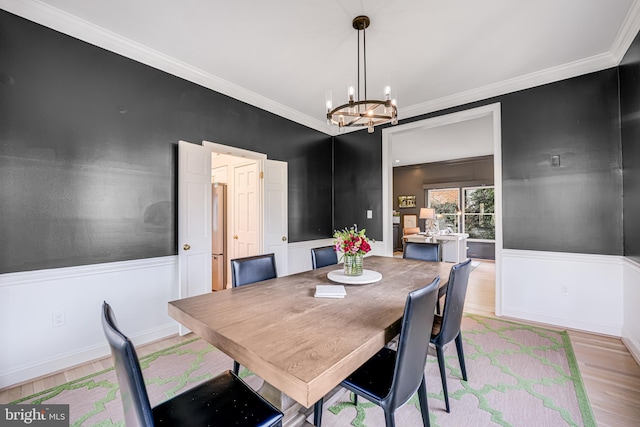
(291,409)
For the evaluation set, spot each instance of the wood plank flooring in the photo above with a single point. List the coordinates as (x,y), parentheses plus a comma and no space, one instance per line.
(611,375)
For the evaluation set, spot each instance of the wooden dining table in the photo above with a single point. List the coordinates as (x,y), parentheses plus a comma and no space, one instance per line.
(300,345)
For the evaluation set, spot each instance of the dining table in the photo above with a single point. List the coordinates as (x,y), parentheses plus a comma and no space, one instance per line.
(303,346)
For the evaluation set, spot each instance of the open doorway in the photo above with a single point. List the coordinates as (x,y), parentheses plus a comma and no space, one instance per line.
(268,216)
(492,111)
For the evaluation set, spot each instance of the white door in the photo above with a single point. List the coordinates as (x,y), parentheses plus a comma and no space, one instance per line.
(194,219)
(275,218)
(246,208)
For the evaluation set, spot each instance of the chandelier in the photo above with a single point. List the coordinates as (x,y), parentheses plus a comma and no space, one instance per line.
(365,112)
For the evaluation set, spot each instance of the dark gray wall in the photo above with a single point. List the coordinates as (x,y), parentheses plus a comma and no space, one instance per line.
(576,207)
(358,182)
(88,155)
(630,121)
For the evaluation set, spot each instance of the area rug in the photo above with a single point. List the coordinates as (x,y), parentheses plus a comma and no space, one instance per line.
(518,376)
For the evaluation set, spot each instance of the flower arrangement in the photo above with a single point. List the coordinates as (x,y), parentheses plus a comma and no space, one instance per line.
(351,241)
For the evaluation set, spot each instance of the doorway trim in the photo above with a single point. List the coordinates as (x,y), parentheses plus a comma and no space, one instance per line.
(492,110)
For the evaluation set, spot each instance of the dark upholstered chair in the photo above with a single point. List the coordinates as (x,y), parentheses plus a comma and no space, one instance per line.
(245,271)
(446,328)
(222,401)
(424,252)
(321,257)
(253,269)
(390,378)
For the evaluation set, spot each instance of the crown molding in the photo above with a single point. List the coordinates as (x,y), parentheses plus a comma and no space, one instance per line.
(56,19)
(627,33)
(66,23)
(550,75)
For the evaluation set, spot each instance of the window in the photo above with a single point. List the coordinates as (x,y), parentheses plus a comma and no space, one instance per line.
(446,202)
(479,213)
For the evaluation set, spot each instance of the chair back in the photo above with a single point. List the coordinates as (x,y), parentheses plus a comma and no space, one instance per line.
(413,344)
(454,302)
(133,393)
(252,269)
(321,257)
(421,251)
(406,231)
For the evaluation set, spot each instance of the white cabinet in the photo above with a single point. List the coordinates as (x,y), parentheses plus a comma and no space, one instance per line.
(454,247)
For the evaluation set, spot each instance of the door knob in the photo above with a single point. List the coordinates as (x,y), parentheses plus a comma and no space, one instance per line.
(235,236)
(186,247)
(284,238)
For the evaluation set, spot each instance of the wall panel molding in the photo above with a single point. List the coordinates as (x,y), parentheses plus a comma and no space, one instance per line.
(578,291)
(138,291)
(38,276)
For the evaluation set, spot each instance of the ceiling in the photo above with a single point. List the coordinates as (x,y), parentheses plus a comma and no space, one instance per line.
(284,55)
(468,138)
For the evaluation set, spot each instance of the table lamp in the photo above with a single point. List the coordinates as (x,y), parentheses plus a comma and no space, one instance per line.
(428,214)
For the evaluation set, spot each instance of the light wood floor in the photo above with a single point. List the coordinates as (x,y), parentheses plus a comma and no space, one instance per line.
(611,375)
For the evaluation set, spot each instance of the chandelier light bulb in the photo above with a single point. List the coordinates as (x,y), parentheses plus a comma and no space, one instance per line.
(328,96)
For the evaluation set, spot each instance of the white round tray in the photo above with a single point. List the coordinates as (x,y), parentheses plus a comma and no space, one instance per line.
(368,276)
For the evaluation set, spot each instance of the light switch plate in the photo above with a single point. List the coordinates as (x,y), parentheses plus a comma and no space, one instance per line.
(369,214)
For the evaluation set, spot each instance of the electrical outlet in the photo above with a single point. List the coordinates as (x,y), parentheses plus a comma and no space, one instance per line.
(58,318)
(565,290)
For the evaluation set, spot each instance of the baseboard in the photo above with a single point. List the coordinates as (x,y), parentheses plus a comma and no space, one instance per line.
(81,356)
(593,327)
(632,345)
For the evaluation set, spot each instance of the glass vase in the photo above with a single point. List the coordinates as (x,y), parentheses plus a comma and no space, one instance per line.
(353,265)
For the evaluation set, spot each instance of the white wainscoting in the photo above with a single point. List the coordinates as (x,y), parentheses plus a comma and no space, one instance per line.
(138,291)
(31,346)
(631,328)
(578,291)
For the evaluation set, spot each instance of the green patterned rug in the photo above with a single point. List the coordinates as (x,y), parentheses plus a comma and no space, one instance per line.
(518,376)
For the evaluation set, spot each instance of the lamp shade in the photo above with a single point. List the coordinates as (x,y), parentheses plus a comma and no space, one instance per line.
(427,213)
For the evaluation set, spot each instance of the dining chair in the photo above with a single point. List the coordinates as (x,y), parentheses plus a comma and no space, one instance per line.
(223,400)
(390,378)
(323,256)
(446,328)
(406,231)
(425,252)
(252,269)
(421,251)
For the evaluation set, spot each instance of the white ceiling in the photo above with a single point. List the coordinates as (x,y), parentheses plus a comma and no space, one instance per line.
(469,138)
(283,55)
